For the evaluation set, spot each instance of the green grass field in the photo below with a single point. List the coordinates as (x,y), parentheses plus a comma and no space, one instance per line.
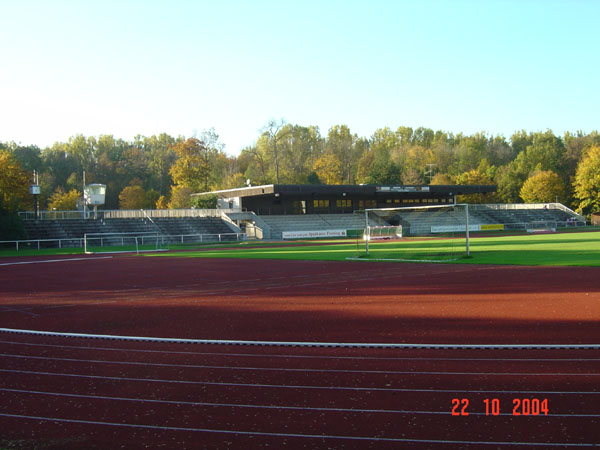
(559,249)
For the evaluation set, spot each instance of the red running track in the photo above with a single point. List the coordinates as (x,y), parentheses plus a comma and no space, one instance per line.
(81,393)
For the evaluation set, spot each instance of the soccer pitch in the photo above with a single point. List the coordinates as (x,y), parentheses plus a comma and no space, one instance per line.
(557,249)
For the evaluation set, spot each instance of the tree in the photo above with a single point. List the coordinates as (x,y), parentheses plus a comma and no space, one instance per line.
(470,151)
(546,152)
(82,150)
(576,145)
(441,179)
(30,157)
(509,184)
(412,176)
(346,147)
(180,197)
(162,203)
(328,168)
(192,168)
(11,226)
(152,197)
(233,181)
(376,167)
(64,201)
(474,177)
(297,147)
(58,165)
(14,195)
(205,202)
(415,162)
(544,186)
(273,132)
(257,170)
(587,181)
(520,141)
(132,197)
(14,183)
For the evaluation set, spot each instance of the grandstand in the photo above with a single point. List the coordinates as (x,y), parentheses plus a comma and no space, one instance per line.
(276,212)
(70,232)
(280,224)
(509,217)
(518,216)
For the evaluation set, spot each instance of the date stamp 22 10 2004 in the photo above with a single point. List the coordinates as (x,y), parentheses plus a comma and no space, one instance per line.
(491,406)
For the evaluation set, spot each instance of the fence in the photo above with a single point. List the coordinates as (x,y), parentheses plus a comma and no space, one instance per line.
(78,242)
(42,243)
(125,214)
(558,224)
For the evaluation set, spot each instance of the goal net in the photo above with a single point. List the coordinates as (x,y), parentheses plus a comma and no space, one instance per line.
(420,233)
(541,226)
(124,242)
(374,232)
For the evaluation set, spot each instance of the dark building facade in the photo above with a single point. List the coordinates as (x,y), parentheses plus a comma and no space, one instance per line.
(337,199)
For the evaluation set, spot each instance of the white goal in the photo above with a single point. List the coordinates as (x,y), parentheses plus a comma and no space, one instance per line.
(419,233)
(124,242)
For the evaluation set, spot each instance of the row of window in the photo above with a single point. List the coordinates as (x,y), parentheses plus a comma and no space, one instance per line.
(362,204)
(320,204)
(398,201)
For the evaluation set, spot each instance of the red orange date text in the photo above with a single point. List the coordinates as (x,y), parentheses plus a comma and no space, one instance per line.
(491,406)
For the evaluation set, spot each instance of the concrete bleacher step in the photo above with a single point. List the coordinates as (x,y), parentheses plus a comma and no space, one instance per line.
(310,222)
(77,228)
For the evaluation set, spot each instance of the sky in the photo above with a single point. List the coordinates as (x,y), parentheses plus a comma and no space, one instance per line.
(129,67)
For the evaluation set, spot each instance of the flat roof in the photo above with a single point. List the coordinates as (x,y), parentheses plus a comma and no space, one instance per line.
(337,189)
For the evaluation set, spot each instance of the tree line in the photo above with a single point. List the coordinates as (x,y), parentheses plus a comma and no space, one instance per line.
(161,171)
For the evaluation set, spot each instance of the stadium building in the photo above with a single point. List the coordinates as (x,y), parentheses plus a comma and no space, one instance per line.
(292,211)
(287,199)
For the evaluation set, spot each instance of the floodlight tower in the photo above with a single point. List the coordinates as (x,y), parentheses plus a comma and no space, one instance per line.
(35,190)
(430,171)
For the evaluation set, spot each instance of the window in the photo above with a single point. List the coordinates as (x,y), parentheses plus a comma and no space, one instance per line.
(299,207)
(345,203)
(365,204)
(320,204)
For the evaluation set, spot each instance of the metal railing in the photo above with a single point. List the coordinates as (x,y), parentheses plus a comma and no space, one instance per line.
(202,238)
(125,214)
(558,224)
(38,244)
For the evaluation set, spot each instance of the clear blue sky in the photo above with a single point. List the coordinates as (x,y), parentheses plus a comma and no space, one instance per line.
(145,67)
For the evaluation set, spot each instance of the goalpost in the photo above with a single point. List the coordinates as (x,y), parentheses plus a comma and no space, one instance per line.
(418,233)
(94,243)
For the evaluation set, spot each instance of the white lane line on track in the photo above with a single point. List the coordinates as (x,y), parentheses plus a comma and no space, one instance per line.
(277,407)
(55,260)
(289,356)
(22,311)
(303,370)
(292,386)
(297,435)
(291,435)
(362,345)
(228,405)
